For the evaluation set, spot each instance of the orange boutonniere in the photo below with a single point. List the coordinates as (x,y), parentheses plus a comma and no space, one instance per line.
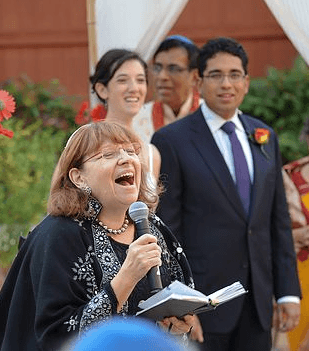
(7,107)
(261,137)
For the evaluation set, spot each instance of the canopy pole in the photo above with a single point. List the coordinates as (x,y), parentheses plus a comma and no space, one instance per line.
(92,43)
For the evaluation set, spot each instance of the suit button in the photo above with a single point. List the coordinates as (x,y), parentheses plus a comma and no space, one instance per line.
(245,265)
(250,232)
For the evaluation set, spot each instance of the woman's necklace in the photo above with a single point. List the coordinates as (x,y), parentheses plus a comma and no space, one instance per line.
(122,229)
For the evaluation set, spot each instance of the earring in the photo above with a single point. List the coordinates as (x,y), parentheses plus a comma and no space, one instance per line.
(86,189)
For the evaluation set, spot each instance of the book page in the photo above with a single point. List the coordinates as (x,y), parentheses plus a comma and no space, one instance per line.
(177,290)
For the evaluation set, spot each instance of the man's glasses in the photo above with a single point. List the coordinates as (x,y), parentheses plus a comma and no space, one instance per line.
(234,77)
(114,152)
(170,69)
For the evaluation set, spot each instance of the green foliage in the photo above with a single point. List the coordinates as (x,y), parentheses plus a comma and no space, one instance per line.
(282,101)
(28,160)
(42,123)
(45,101)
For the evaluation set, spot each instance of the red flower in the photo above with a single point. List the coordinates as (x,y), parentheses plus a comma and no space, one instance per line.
(98,113)
(261,135)
(83,115)
(6,132)
(7,105)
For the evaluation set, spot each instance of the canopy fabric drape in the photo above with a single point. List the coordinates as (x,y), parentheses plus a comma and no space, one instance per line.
(292,15)
(138,25)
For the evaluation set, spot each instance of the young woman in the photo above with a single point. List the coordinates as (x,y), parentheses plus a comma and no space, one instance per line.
(120,82)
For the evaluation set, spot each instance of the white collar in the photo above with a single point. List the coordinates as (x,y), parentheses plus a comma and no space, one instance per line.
(215,122)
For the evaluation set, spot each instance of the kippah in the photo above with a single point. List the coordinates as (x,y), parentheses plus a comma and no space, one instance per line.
(180,38)
(129,334)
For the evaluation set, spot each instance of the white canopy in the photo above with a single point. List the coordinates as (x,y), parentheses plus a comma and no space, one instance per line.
(293,15)
(134,24)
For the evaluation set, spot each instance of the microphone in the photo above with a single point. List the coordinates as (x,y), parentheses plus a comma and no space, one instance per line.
(138,211)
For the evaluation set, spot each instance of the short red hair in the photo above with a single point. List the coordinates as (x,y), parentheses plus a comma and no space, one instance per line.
(65,198)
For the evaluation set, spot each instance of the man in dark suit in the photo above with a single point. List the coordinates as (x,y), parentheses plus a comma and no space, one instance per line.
(225,201)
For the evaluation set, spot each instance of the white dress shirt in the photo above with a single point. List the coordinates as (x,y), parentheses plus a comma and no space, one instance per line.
(215,122)
(222,139)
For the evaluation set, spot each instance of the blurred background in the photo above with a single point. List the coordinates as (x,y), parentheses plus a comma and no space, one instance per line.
(49,39)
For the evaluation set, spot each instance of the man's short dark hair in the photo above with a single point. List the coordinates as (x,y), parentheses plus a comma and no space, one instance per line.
(226,45)
(178,41)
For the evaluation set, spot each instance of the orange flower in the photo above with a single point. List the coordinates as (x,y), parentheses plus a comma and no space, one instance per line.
(7,105)
(261,135)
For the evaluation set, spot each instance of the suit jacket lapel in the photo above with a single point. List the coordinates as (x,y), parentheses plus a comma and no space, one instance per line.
(205,144)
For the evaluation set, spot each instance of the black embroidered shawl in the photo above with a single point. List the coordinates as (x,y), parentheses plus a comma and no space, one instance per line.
(58,285)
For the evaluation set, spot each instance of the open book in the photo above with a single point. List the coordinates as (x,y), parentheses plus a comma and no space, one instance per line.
(178,299)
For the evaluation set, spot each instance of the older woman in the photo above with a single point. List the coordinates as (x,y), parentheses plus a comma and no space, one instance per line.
(83,263)
(120,82)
